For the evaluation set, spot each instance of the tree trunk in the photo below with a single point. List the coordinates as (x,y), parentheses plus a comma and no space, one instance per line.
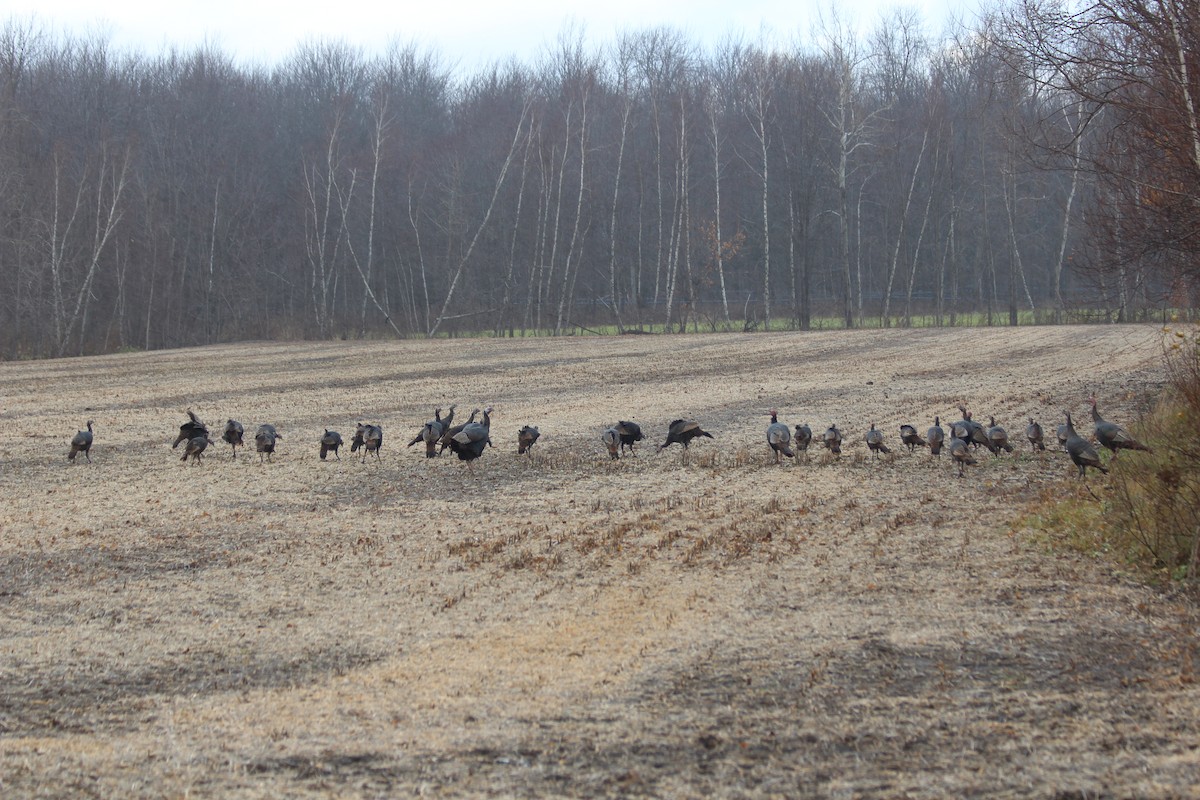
(462,262)
(504,316)
(716,145)
(568,293)
(612,227)
(893,266)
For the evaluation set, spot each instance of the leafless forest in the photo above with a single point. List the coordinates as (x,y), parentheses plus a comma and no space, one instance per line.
(1029,161)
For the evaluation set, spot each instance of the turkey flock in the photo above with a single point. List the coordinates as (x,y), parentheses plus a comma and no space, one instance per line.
(468,440)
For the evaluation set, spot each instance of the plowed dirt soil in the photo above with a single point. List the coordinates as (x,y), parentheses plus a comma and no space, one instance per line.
(564,625)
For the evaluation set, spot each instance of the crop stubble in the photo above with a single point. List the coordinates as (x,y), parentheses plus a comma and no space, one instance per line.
(563,624)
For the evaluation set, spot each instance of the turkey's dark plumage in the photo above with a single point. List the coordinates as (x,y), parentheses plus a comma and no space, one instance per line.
(1035,435)
(468,443)
(81,442)
(998,437)
(1081,451)
(683,431)
(961,454)
(368,438)
(802,438)
(435,423)
(629,432)
(190,429)
(779,437)
(972,432)
(451,431)
(526,437)
(448,420)
(264,441)
(875,443)
(1113,436)
(936,437)
(330,442)
(233,435)
(833,439)
(910,437)
(196,447)
(431,432)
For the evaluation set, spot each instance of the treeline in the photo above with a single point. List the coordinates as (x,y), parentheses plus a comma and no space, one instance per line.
(153,201)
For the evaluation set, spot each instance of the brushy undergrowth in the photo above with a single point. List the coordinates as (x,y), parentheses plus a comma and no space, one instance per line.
(1150,516)
(1156,496)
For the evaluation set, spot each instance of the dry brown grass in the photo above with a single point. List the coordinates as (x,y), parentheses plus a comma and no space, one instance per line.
(567,625)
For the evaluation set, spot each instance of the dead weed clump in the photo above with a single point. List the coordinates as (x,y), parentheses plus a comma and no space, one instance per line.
(1147,513)
(478,550)
(1156,496)
(1070,517)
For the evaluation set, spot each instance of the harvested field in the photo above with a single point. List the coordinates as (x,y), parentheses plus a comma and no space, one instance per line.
(566,625)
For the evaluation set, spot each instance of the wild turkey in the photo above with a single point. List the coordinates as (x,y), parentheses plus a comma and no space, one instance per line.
(432,431)
(1113,436)
(436,422)
(683,431)
(1061,434)
(449,418)
(264,441)
(190,429)
(526,438)
(444,442)
(1033,432)
(81,442)
(833,439)
(233,435)
(961,454)
(875,442)
(195,448)
(962,428)
(368,438)
(468,444)
(1081,450)
(910,437)
(612,442)
(802,438)
(936,437)
(998,437)
(779,437)
(972,432)
(629,432)
(330,442)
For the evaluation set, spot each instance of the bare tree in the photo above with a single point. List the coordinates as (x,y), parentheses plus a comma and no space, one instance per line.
(1134,60)
(761,75)
(443,315)
(716,101)
(183,199)
(853,127)
(381,122)
(335,74)
(624,56)
(93,204)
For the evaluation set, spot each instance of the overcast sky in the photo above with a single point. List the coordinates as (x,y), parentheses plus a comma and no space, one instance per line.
(468,33)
